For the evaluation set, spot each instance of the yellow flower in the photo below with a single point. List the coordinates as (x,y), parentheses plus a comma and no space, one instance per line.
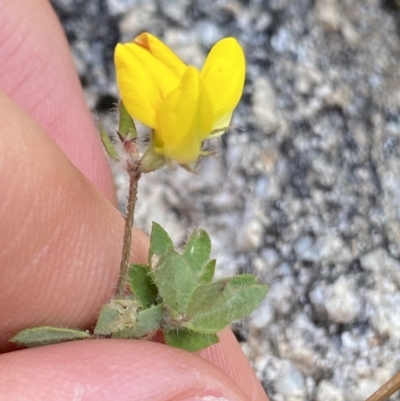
(181,104)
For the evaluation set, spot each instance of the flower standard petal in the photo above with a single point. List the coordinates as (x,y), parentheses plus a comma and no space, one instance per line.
(143,81)
(161,52)
(223,75)
(185,119)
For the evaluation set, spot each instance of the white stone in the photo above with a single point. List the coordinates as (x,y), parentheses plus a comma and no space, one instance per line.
(290,381)
(118,7)
(363,389)
(264,109)
(306,250)
(342,303)
(252,235)
(329,14)
(379,261)
(328,392)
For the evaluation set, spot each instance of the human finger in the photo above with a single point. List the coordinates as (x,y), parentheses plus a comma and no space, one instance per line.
(60,238)
(37,71)
(113,369)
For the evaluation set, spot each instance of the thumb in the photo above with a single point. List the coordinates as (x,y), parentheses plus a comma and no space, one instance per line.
(101,370)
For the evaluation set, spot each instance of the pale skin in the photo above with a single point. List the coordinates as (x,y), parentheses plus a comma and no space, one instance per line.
(61,238)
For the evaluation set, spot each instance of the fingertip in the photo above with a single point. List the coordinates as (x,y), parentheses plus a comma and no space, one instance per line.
(113,369)
(229,357)
(38,73)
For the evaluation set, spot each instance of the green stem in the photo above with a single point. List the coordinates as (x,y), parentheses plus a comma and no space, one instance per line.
(134,176)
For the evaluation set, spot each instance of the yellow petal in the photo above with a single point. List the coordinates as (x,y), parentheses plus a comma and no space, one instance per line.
(161,52)
(143,82)
(223,75)
(185,119)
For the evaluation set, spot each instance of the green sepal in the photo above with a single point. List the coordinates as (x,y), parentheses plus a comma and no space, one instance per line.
(151,160)
(117,315)
(189,340)
(160,242)
(197,250)
(47,335)
(108,145)
(207,272)
(142,286)
(148,321)
(175,281)
(126,126)
(215,305)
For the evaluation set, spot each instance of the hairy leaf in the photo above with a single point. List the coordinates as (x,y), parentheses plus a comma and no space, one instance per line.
(215,305)
(108,145)
(189,340)
(148,321)
(197,250)
(160,242)
(47,335)
(117,315)
(142,286)
(207,272)
(175,282)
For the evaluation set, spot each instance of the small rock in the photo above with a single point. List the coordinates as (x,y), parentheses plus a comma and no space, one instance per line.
(262,316)
(350,33)
(317,297)
(306,250)
(252,235)
(185,45)
(325,173)
(270,257)
(264,109)
(306,78)
(284,42)
(282,296)
(379,261)
(328,392)
(290,381)
(139,19)
(363,389)
(342,303)
(381,309)
(329,14)
(118,7)
(333,249)
(208,33)
(174,9)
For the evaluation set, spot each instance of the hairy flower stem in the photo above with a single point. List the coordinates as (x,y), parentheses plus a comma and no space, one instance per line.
(134,176)
(388,389)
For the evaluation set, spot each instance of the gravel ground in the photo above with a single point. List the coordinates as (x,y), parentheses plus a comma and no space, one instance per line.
(305,192)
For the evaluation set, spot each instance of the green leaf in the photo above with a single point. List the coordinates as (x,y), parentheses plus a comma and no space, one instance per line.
(47,335)
(117,315)
(243,280)
(207,272)
(160,242)
(126,127)
(215,305)
(142,286)
(189,340)
(108,145)
(197,250)
(175,282)
(148,321)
